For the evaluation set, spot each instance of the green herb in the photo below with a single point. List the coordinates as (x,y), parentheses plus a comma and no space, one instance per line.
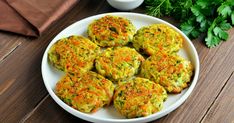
(217,32)
(181,9)
(160,8)
(213,17)
(113,29)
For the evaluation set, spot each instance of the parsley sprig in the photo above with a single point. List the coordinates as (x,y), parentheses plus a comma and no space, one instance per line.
(212,17)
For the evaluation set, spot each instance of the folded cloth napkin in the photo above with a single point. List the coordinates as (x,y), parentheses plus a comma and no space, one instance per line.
(31,17)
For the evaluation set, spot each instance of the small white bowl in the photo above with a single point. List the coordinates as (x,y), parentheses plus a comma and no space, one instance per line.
(125,5)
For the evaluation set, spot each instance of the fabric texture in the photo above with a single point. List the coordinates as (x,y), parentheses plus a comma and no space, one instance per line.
(31,17)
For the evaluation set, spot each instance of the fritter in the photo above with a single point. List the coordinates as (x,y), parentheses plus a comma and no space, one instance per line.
(74,54)
(118,63)
(169,70)
(157,37)
(86,93)
(139,97)
(111,31)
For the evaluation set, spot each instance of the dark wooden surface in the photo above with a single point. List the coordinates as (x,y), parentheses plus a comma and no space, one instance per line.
(23,96)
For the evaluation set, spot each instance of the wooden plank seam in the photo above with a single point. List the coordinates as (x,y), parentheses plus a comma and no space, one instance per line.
(201,121)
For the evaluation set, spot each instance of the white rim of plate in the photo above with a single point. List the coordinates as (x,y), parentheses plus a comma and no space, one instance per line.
(140,119)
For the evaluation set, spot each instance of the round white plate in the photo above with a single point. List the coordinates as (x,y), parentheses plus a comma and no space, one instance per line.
(109,114)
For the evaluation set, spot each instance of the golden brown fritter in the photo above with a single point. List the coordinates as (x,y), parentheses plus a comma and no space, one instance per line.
(169,70)
(118,63)
(139,97)
(111,31)
(74,54)
(86,93)
(157,37)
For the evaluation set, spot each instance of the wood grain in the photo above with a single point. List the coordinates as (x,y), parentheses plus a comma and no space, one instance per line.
(49,112)
(7,45)
(5,85)
(222,109)
(23,97)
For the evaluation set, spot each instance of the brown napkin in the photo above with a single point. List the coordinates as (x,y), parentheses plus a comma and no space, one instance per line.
(31,17)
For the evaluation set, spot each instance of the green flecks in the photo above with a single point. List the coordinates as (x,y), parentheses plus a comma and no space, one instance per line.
(113,29)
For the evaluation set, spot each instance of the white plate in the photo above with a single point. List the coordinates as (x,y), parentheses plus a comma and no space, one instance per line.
(109,114)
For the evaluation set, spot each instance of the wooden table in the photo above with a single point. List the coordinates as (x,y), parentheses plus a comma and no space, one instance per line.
(24,98)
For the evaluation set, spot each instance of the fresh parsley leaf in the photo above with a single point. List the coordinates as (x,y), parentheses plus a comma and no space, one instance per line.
(217,32)
(204,25)
(203,3)
(197,12)
(220,33)
(181,9)
(201,20)
(189,29)
(224,10)
(211,40)
(224,25)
